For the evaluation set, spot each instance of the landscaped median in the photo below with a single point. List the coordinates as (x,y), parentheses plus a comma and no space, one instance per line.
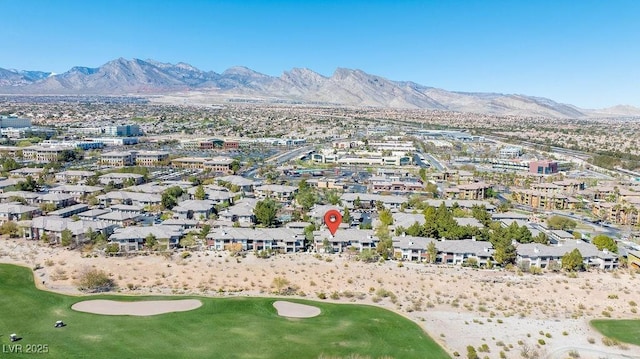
(222,327)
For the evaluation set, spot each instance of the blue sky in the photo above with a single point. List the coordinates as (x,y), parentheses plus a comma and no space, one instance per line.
(582,52)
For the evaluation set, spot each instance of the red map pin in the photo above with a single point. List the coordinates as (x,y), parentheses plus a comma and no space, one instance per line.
(332,219)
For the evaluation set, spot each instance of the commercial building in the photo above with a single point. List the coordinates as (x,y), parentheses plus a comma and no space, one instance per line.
(510,152)
(123,131)
(151,158)
(116,141)
(216,164)
(118,158)
(14,122)
(43,154)
(543,167)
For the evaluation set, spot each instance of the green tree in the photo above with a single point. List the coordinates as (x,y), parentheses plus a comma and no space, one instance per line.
(306,199)
(101,239)
(151,242)
(47,207)
(188,241)
(602,241)
(504,250)
(90,235)
(541,238)
(385,243)
(29,184)
(9,164)
(333,198)
(481,214)
(45,238)
(71,155)
(326,246)
(9,228)
(112,248)
(346,215)
(66,237)
(559,222)
(504,207)
(572,261)
(204,231)
(265,212)
(170,196)
(385,217)
(235,166)
(432,189)
(308,234)
(432,252)
(422,173)
(367,256)
(93,180)
(200,194)
(357,203)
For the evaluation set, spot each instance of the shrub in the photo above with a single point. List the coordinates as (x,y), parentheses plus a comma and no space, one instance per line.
(185,255)
(541,342)
(322,295)
(94,281)
(609,341)
(112,248)
(471,352)
(535,270)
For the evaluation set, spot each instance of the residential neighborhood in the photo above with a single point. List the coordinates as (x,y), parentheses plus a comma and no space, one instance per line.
(210,192)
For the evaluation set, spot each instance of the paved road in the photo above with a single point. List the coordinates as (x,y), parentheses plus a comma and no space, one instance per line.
(434,162)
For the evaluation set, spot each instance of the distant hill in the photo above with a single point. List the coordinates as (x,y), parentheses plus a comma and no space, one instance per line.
(345,87)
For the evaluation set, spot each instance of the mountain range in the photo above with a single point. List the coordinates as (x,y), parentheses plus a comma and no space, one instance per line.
(345,87)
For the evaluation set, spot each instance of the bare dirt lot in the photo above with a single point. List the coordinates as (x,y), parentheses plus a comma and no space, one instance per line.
(517,314)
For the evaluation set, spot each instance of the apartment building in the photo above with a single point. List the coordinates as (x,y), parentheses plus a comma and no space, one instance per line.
(543,200)
(72,176)
(471,191)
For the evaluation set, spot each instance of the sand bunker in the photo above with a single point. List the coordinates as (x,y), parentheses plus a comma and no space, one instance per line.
(142,308)
(295,310)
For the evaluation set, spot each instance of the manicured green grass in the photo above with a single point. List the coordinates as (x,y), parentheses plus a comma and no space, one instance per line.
(221,328)
(627,331)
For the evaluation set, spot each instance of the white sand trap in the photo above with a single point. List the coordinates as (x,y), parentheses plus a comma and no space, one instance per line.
(142,308)
(295,310)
